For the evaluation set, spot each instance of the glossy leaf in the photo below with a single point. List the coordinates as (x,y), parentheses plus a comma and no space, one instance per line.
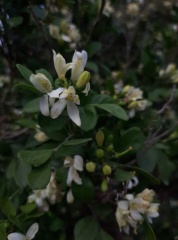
(35,157)
(88,117)
(113,109)
(39,177)
(86,229)
(77,141)
(32,106)
(26,73)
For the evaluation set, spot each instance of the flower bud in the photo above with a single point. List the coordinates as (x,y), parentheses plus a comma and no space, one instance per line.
(90,166)
(100,138)
(41,137)
(109,148)
(99,153)
(107,170)
(104,185)
(126,89)
(83,79)
(133,104)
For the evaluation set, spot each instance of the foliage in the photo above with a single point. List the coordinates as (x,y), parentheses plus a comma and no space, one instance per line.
(77,153)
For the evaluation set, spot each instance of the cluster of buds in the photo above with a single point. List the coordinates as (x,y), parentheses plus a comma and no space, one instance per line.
(44,197)
(170,72)
(53,102)
(65,32)
(131,210)
(131,97)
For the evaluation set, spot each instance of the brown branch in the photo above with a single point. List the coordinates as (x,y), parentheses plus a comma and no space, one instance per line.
(103,2)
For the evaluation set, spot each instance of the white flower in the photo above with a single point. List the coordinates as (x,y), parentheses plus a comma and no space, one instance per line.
(54,31)
(66,98)
(147,195)
(29,235)
(74,164)
(133,94)
(70,197)
(79,61)
(60,65)
(152,211)
(133,182)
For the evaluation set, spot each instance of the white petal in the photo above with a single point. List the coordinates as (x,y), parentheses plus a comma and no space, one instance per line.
(129,196)
(123,205)
(84,57)
(76,177)
(41,82)
(70,197)
(73,113)
(55,93)
(70,176)
(16,236)
(44,105)
(59,64)
(32,231)
(87,89)
(136,215)
(78,162)
(66,38)
(58,108)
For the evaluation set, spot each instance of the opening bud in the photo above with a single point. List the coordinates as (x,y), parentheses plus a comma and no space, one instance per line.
(133,104)
(100,138)
(83,79)
(90,166)
(107,170)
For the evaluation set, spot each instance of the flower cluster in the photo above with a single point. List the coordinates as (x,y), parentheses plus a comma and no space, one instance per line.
(131,210)
(170,72)
(44,197)
(53,102)
(131,97)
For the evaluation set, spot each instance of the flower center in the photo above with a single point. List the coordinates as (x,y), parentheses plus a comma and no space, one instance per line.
(45,85)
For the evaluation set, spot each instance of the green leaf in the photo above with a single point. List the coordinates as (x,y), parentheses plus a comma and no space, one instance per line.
(147,175)
(77,141)
(46,73)
(123,175)
(149,233)
(92,67)
(15,21)
(132,137)
(88,117)
(2,231)
(101,98)
(102,235)
(92,48)
(165,167)
(28,208)
(147,159)
(86,229)
(84,192)
(26,73)
(21,173)
(27,123)
(39,177)
(27,87)
(35,157)
(51,125)
(114,109)
(7,207)
(32,106)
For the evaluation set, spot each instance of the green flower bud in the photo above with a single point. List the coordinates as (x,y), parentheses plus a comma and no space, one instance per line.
(83,79)
(126,89)
(104,186)
(109,148)
(90,166)
(110,138)
(99,153)
(100,138)
(115,98)
(107,170)
(133,104)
